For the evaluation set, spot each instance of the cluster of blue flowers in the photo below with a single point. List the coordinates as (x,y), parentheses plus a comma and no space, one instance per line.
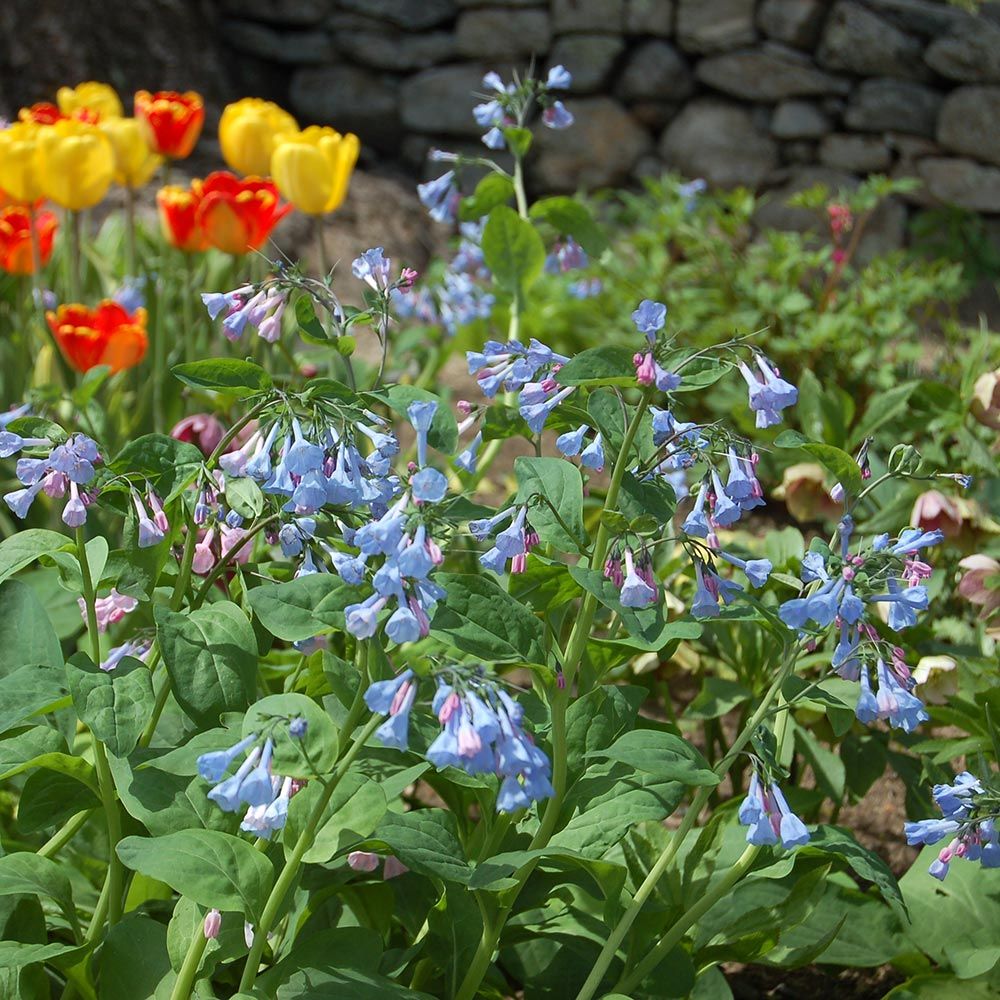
(968,815)
(59,473)
(254,785)
(510,545)
(482,733)
(845,586)
(261,307)
(770,821)
(463,294)
(529,371)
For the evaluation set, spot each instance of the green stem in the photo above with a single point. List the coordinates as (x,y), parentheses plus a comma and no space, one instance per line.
(106,784)
(221,566)
(130,254)
(187,290)
(74,256)
(161,701)
(159,357)
(666,858)
(64,834)
(186,978)
(288,875)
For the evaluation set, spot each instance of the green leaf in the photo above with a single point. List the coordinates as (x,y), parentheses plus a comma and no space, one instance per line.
(316,753)
(494,189)
(661,754)
(27,637)
(443,433)
(211,656)
(560,483)
(170,466)
(28,691)
(312,330)
(426,841)
(25,547)
(244,496)
(608,365)
(607,801)
(482,619)
(115,704)
(653,497)
(717,697)
(31,873)
(842,465)
(15,955)
(518,139)
(883,407)
(512,250)
(50,796)
(236,378)
(354,811)
(571,218)
(17,749)
(865,863)
(133,958)
(286,610)
(212,868)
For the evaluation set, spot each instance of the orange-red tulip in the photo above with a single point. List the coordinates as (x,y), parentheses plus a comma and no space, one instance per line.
(15,238)
(236,215)
(107,335)
(179,216)
(42,113)
(171,121)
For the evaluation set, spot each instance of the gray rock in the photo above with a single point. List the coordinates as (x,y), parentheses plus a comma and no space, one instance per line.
(649,166)
(293,13)
(292,48)
(861,154)
(771,72)
(655,71)
(884,233)
(440,101)
(715,26)
(799,120)
(794,22)
(929,18)
(587,15)
(653,115)
(970,53)
(498,34)
(909,151)
(718,141)
(969,123)
(496,3)
(351,100)
(649,17)
(396,50)
(414,15)
(774,211)
(858,41)
(880,104)
(961,182)
(589,57)
(798,151)
(600,149)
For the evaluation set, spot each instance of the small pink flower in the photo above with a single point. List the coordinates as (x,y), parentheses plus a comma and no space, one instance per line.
(393,867)
(362,861)
(645,368)
(213,924)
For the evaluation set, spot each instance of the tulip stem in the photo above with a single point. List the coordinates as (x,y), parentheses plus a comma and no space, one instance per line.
(73,234)
(130,252)
(187,290)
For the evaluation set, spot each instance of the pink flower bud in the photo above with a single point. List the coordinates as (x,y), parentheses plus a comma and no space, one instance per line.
(362,861)
(213,923)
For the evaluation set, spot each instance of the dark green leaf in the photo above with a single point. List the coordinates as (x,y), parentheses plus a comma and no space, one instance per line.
(115,704)
(559,482)
(425,840)
(607,365)
(25,547)
(512,250)
(170,466)
(662,754)
(232,376)
(571,218)
(494,189)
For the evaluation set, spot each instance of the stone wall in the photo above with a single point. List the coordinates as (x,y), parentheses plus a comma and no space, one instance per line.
(769,93)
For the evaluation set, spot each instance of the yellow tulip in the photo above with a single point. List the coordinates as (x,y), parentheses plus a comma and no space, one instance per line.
(135,162)
(91,96)
(19,176)
(247,133)
(312,168)
(76,163)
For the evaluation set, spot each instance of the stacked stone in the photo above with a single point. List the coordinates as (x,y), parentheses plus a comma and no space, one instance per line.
(774,94)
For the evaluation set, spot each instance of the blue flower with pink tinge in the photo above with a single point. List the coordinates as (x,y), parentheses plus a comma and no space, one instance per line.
(770,821)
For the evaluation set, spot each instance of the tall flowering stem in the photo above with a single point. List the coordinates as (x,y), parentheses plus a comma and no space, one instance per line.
(114,879)
(290,872)
(666,858)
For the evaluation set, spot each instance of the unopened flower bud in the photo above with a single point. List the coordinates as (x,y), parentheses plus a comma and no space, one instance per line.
(213,923)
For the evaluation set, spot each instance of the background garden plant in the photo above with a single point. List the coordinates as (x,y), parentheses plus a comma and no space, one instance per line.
(363,681)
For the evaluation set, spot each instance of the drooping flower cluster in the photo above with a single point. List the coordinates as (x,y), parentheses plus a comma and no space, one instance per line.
(969,811)
(845,588)
(254,785)
(482,732)
(512,544)
(257,307)
(770,821)
(529,371)
(60,473)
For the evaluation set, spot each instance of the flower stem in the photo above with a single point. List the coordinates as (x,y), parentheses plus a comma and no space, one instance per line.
(186,978)
(668,854)
(106,784)
(74,256)
(130,254)
(288,875)
(64,834)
